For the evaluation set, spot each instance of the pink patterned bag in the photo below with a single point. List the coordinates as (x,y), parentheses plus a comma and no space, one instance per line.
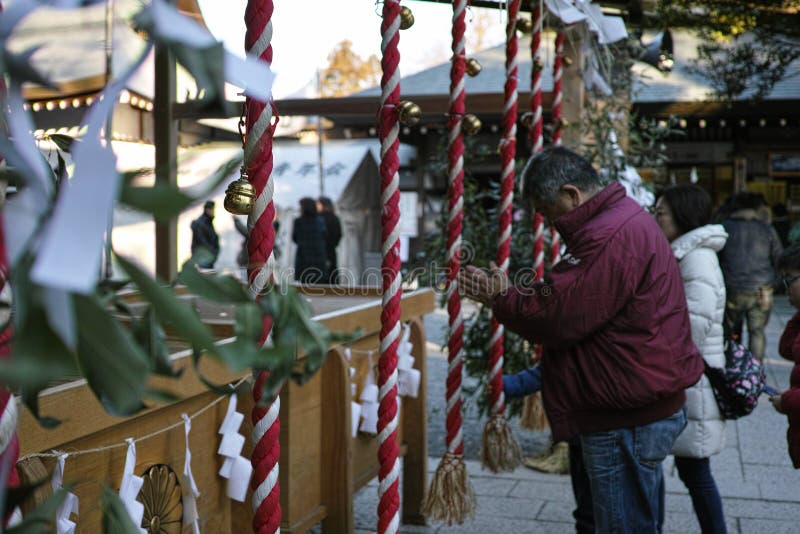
(737,386)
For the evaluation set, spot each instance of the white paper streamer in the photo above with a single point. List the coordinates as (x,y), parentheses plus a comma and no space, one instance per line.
(190,515)
(253,75)
(355,417)
(235,467)
(369,402)
(130,486)
(64,525)
(408,378)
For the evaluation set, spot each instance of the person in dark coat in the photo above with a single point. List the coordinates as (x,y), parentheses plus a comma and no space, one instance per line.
(309,235)
(613,322)
(334,235)
(749,260)
(204,236)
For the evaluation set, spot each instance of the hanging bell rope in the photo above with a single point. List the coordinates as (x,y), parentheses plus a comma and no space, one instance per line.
(390,112)
(501,451)
(450,497)
(260,122)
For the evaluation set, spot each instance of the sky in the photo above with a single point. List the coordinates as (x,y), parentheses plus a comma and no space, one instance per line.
(305,31)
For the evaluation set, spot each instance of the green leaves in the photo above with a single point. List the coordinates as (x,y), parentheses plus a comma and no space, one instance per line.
(115,366)
(115,517)
(41,518)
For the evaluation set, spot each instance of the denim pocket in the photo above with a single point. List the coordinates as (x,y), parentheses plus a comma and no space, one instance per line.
(653,442)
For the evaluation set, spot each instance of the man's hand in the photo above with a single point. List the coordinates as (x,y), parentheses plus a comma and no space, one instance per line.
(776,402)
(482,286)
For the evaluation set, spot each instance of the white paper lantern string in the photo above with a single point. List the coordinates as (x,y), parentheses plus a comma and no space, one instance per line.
(236,468)
(64,525)
(190,515)
(130,486)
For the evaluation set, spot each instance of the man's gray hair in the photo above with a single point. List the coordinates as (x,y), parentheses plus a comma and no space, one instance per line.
(549,170)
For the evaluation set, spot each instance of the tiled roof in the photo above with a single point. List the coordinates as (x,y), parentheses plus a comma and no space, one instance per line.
(649,84)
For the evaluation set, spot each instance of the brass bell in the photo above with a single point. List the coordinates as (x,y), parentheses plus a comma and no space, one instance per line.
(240,196)
(406,18)
(562,123)
(524,25)
(409,113)
(471,124)
(567,61)
(538,66)
(473,67)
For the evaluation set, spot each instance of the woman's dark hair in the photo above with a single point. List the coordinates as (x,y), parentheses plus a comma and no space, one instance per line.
(326,203)
(790,258)
(308,206)
(690,205)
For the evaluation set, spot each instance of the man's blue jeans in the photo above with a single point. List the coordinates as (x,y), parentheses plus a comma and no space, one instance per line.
(624,469)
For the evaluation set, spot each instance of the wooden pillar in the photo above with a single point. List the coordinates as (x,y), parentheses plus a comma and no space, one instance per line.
(165,136)
(415,432)
(573,89)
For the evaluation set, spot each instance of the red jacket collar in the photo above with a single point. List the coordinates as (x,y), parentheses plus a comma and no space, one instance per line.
(570,223)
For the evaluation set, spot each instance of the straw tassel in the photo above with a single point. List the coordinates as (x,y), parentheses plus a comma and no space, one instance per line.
(533,416)
(450,498)
(500,450)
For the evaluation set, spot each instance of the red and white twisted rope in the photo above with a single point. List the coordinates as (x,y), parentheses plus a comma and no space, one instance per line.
(507,153)
(455,343)
(537,123)
(389,470)
(538,245)
(258,162)
(555,246)
(537,130)
(9,441)
(558,71)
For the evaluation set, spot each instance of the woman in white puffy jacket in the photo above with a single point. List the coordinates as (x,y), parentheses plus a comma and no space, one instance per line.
(683,213)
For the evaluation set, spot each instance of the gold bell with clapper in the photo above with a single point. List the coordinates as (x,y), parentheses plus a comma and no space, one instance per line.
(409,113)
(470,124)
(240,196)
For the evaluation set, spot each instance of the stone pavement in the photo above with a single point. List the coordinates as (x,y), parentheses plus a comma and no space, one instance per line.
(760,489)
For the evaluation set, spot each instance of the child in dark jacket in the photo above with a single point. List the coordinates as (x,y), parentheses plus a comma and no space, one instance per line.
(789,347)
(528,382)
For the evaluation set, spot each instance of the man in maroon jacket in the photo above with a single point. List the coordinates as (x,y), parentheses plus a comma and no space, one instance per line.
(613,321)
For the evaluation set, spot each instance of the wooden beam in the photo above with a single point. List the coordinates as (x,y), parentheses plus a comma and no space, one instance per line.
(365,107)
(166,145)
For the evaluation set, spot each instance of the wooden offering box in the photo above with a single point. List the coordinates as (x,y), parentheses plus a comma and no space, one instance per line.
(321,464)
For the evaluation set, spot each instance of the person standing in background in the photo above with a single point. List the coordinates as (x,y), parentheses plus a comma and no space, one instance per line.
(309,234)
(204,236)
(748,261)
(333,228)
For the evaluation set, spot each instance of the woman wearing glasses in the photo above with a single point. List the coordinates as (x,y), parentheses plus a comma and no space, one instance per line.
(683,212)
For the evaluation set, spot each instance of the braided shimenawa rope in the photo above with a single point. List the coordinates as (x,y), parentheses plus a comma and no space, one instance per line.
(388,473)
(260,243)
(450,497)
